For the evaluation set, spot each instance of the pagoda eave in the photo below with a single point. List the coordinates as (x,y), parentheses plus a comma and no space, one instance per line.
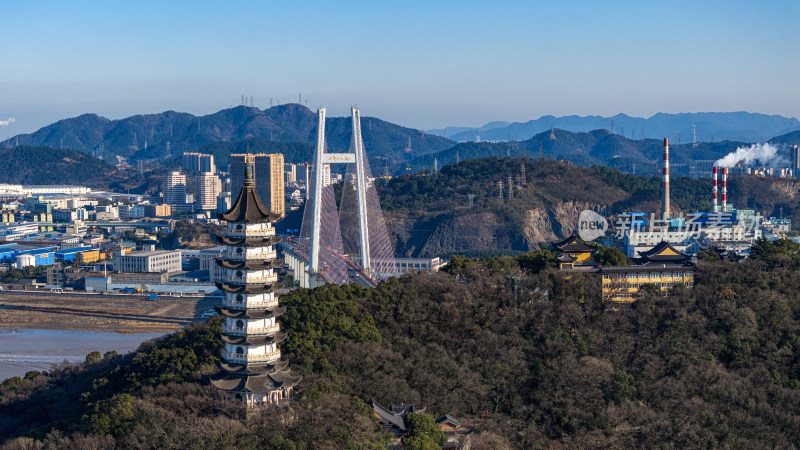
(260,384)
(250,314)
(249,288)
(252,368)
(253,340)
(248,241)
(245,264)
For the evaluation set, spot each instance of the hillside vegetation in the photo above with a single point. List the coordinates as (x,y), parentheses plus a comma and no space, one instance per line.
(429,214)
(45,165)
(531,358)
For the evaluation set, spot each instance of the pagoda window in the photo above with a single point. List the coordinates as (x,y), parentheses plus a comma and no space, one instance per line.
(239,324)
(239,351)
(239,298)
(239,250)
(239,274)
(239,227)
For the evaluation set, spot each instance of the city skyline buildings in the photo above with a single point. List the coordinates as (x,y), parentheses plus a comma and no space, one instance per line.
(429,65)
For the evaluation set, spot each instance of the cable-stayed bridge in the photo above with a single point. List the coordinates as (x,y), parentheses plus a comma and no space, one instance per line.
(343,237)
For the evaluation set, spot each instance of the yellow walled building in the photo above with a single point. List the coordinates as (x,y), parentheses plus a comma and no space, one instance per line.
(663,267)
(89,256)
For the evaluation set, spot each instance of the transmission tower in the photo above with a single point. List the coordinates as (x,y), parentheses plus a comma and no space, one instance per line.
(435,165)
(500,190)
(458,158)
(510,187)
(552,132)
(522,176)
(694,136)
(470,197)
(540,147)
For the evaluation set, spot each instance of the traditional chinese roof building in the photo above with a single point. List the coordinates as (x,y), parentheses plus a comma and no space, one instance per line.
(251,367)
(393,419)
(572,251)
(663,266)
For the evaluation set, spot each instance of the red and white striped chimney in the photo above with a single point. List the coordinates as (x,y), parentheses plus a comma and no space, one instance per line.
(714,189)
(724,188)
(665,182)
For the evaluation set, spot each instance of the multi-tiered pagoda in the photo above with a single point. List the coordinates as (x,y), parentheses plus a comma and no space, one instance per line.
(252,369)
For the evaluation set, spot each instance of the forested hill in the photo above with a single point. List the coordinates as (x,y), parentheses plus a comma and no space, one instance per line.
(531,359)
(45,165)
(430,215)
(169,134)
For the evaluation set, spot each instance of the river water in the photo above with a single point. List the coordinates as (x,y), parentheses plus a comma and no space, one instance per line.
(23,350)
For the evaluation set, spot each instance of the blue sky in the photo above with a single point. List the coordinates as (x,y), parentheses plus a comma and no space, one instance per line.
(419,64)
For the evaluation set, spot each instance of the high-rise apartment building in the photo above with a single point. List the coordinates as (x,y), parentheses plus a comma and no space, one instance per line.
(291,173)
(199,162)
(208,188)
(268,179)
(174,188)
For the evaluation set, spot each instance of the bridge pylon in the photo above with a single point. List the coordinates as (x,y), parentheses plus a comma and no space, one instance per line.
(326,252)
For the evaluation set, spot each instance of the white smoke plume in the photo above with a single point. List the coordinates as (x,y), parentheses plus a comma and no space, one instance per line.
(7,122)
(765,154)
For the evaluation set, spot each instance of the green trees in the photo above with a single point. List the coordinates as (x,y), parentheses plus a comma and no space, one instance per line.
(535,262)
(609,256)
(113,416)
(535,359)
(777,253)
(423,433)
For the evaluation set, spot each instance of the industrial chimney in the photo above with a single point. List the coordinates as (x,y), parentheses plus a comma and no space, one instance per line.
(665,184)
(724,188)
(714,189)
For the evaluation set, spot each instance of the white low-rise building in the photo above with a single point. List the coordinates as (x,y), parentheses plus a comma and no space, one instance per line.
(159,261)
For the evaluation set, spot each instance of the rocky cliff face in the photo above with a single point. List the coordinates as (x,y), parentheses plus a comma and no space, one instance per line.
(487,230)
(472,232)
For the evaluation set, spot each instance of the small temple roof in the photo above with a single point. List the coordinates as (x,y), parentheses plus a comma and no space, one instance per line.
(250,241)
(394,417)
(573,244)
(248,207)
(664,252)
(249,288)
(448,419)
(245,264)
(249,313)
(566,258)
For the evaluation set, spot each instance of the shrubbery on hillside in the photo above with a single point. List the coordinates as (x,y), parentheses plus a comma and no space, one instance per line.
(535,359)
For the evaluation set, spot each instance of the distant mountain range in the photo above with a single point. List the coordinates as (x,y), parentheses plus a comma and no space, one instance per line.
(291,130)
(167,135)
(709,127)
(598,147)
